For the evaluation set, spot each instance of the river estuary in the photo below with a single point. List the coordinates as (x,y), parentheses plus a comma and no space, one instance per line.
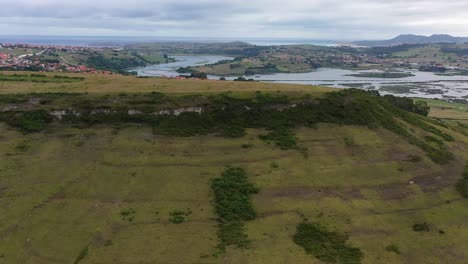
(422,84)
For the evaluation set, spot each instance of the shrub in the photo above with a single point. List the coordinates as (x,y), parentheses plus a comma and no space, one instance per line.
(233,206)
(82,255)
(233,233)
(232,131)
(22,147)
(33,121)
(232,195)
(421,227)
(128,214)
(393,248)
(327,246)
(282,137)
(178,216)
(349,141)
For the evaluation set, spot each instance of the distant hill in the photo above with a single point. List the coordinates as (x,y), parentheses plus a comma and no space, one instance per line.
(414,39)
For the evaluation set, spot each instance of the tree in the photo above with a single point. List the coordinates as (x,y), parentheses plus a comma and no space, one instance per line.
(421,107)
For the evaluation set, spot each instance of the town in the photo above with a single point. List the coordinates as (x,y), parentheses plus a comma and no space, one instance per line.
(75,59)
(34,58)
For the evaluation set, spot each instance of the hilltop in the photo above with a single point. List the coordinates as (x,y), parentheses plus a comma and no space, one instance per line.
(414,39)
(119,169)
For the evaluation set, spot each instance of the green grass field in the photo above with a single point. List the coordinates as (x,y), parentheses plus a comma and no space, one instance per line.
(107,193)
(432,53)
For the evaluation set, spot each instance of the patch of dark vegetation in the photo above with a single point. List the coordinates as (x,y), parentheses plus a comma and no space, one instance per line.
(233,206)
(117,64)
(348,141)
(421,227)
(39,78)
(178,216)
(82,255)
(232,195)
(393,248)
(22,147)
(13,98)
(327,246)
(274,165)
(408,104)
(232,233)
(242,79)
(283,138)
(28,122)
(462,125)
(247,146)
(128,215)
(228,116)
(462,185)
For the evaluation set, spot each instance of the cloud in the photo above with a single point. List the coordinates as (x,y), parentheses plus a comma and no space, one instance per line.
(315,19)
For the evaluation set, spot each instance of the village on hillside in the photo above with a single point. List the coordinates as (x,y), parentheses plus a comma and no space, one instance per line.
(34,57)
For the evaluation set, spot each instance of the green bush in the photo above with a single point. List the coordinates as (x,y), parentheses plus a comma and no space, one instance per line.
(128,215)
(22,147)
(233,206)
(393,248)
(233,233)
(178,216)
(349,141)
(327,246)
(232,195)
(82,255)
(32,121)
(421,227)
(283,138)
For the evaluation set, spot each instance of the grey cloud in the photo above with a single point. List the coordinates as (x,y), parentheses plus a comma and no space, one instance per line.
(337,19)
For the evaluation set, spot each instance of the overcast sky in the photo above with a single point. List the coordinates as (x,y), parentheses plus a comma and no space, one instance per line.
(308,19)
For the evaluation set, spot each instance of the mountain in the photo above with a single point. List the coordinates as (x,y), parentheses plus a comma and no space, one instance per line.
(414,39)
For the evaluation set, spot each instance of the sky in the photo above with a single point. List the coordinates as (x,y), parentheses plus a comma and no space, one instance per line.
(293,19)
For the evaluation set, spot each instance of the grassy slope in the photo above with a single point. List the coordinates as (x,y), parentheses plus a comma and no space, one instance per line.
(67,189)
(448,111)
(431,53)
(117,84)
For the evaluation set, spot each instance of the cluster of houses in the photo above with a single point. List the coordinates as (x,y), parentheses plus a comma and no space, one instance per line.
(4,58)
(32,61)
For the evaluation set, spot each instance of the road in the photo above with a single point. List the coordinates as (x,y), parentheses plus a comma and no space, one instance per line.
(32,54)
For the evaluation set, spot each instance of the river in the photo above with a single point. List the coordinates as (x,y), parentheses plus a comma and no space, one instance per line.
(170,69)
(422,84)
